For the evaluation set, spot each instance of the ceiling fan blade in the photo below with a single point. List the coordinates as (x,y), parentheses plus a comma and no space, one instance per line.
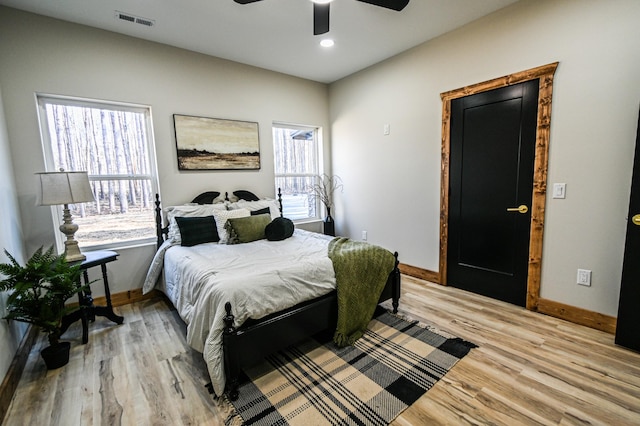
(320,18)
(246,1)
(388,4)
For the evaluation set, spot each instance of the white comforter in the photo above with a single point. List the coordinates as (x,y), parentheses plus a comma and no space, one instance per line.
(258,278)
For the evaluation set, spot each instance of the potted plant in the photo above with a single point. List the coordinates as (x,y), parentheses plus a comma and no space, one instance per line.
(324,188)
(39,291)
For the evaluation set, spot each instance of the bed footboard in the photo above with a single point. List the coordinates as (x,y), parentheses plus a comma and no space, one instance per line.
(253,341)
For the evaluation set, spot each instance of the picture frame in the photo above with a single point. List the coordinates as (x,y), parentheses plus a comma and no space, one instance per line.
(204,143)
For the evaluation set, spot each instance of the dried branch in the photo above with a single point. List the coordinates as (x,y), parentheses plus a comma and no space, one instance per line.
(325,187)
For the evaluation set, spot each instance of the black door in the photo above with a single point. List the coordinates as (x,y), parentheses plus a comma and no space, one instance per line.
(492,153)
(628,328)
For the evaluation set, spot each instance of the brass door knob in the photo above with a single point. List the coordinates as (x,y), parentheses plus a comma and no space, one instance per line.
(520,209)
(636,220)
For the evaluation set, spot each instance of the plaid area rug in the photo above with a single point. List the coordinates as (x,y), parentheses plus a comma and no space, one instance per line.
(370,383)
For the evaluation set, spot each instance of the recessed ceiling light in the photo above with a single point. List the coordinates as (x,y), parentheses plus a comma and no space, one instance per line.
(327,42)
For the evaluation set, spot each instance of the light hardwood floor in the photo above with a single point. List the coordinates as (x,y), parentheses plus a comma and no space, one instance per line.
(528,369)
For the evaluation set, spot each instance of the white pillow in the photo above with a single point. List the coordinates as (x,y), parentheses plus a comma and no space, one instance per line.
(188,210)
(221,217)
(273,205)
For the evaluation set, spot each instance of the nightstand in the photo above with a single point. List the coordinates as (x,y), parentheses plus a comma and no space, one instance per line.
(88,311)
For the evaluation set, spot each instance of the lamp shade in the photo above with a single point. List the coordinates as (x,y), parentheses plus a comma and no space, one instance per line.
(63,188)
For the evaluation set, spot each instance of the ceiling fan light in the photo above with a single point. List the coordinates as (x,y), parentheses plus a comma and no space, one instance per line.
(327,42)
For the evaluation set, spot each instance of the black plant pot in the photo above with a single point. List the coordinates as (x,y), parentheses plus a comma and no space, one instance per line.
(56,356)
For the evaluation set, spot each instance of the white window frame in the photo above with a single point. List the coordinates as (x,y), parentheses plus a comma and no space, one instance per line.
(317,133)
(56,211)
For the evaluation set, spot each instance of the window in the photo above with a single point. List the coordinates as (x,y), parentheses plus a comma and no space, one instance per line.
(297,163)
(114,144)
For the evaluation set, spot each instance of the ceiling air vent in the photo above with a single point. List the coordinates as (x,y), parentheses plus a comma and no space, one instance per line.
(134,19)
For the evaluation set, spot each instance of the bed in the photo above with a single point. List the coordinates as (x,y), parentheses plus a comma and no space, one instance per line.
(236,309)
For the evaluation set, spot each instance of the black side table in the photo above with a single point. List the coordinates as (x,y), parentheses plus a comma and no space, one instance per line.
(88,311)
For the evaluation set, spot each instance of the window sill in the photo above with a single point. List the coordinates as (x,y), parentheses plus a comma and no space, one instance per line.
(307,221)
(124,245)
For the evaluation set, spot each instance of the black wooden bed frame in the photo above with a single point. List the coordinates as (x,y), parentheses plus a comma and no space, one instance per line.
(250,343)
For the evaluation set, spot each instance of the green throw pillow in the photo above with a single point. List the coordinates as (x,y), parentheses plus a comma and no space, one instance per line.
(197,230)
(247,229)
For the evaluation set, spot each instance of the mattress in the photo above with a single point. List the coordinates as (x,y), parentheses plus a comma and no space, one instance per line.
(257,278)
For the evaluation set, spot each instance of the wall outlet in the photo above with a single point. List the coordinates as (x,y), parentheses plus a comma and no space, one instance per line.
(584,277)
(364,235)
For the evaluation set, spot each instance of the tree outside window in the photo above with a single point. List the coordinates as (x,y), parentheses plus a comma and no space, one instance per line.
(113,143)
(297,164)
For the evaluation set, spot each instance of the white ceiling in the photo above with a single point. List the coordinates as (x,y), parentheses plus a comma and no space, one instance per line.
(275,34)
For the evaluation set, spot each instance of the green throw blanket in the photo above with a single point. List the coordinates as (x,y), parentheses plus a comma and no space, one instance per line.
(361,271)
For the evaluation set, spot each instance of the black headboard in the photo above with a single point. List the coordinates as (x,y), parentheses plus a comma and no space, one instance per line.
(205,198)
(250,196)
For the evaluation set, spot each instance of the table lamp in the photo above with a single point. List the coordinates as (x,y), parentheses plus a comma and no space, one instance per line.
(65,188)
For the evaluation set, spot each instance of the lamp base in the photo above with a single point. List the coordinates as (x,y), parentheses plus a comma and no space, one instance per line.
(68,228)
(72,252)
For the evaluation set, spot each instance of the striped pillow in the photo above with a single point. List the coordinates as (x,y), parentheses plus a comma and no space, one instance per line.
(197,230)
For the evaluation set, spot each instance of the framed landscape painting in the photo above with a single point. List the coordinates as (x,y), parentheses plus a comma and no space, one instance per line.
(216,144)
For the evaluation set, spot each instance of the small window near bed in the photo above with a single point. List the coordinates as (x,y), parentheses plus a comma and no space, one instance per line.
(297,163)
(113,142)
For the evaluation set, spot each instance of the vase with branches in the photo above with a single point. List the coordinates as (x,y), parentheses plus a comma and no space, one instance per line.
(323,189)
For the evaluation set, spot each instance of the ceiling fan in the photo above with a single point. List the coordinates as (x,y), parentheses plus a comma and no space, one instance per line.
(321,11)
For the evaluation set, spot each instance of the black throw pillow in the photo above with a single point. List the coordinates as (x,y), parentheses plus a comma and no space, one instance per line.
(197,230)
(279,229)
(265,210)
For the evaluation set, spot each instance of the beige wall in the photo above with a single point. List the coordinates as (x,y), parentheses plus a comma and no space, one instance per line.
(391,182)
(42,55)
(11,240)
(393,189)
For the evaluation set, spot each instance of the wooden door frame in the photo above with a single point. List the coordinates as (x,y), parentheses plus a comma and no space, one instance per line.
(545,73)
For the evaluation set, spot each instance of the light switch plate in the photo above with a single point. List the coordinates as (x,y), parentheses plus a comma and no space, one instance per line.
(559,190)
